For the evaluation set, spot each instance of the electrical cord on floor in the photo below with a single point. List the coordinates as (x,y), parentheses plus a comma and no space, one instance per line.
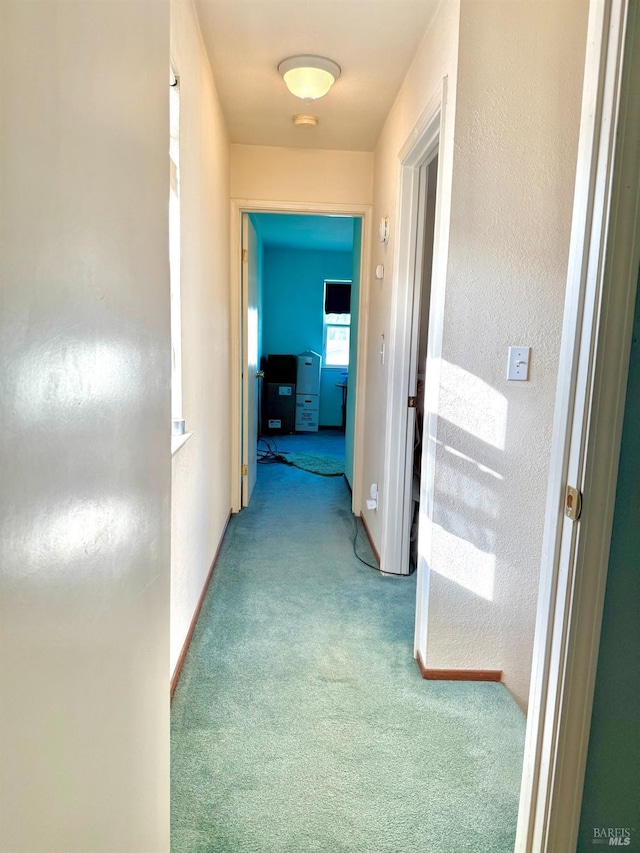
(356,529)
(269,453)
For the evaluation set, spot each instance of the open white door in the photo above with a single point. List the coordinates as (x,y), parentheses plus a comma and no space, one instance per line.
(249,357)
(601,288)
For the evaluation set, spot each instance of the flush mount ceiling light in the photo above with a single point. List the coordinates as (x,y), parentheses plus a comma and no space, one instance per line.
(309,77)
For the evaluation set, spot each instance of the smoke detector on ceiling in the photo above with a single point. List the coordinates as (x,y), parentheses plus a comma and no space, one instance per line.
(302,120)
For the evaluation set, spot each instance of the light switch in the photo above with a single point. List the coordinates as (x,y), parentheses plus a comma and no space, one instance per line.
(518,366)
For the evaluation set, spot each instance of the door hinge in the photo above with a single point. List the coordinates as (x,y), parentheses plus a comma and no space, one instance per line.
(243,255)
(412,402)
(245,470)
(573,503)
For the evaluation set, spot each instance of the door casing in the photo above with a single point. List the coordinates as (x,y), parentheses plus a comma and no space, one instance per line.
(430,136)
(238,207)
(420,150)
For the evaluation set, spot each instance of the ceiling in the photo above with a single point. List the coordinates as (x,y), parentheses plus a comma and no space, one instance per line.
(373,41)
(302,231)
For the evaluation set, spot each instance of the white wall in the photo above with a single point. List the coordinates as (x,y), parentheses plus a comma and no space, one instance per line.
(518,109)
(514,82)
(301,175)
(84,354)
(201,468)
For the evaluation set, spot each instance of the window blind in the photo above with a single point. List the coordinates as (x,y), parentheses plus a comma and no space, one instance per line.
(337,298)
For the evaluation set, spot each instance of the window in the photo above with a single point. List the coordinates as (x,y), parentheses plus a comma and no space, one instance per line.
(337,323)
(177,422)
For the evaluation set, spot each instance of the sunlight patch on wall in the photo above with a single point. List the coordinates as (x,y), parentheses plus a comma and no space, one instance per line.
(482,468)
(72,376)
(463,563)
(74,533)
(472,405)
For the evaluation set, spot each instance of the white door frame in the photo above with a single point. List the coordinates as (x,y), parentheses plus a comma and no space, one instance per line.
(238,207)
(403,340)
(421,145)
(601,285)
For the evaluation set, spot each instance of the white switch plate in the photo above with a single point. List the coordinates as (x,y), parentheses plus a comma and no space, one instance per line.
(518,365)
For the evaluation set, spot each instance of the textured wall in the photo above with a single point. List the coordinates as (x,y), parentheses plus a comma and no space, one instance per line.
(201,473)
(517,116)
(508,152)
(84,360)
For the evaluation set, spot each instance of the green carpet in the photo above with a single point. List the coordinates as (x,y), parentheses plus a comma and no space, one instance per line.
(316,463)
(301,724)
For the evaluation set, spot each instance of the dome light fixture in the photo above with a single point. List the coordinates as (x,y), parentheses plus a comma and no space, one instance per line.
(309,77)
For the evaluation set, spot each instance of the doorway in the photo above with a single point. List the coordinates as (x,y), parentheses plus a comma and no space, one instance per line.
(414,338)
(300,322)
(308,248)
(428,181)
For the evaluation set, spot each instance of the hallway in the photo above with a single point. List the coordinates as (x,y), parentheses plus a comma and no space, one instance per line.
(300,722)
